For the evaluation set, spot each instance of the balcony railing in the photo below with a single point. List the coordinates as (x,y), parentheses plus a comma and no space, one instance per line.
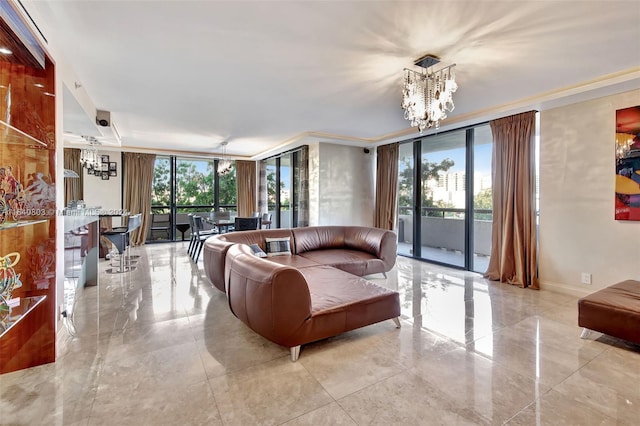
(444,228)
(444,212)
(182,213)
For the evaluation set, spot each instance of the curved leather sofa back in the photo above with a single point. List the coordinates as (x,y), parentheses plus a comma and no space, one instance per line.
(318,237)
(216,247)
(272,299)
(378,242)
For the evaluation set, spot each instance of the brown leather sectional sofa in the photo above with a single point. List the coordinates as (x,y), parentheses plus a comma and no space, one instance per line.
(314,293)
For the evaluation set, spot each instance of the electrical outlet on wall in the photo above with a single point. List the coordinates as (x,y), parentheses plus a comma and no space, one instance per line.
(586,278)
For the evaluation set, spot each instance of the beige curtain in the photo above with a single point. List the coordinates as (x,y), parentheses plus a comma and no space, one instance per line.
(246,184)
(73,187)
(386,186)
(262,188)
(301,177)
(514,244)
(138,180)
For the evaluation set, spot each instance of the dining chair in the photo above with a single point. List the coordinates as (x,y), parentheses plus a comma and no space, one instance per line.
(201,236)
(160,222)
(266,220)
(193,233)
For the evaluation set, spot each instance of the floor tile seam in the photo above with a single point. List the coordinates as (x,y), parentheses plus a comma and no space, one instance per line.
(537,380)
(537,384)
(213,394)
(557,325)
(581,403)
(307,412)
(607,349)
(93,401)
(537,399)
(243,369)
(403,371)
(127,354)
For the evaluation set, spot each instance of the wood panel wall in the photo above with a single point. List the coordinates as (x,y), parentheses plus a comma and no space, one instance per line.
(27,104)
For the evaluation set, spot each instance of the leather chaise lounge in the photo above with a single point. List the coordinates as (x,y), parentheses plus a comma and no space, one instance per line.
(315,292)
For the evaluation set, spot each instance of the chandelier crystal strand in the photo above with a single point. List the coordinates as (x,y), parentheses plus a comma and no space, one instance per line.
(224,164)
(89,157)
(428,96)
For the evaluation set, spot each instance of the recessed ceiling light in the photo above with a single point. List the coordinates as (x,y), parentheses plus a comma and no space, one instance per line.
(5,51)
(39,85)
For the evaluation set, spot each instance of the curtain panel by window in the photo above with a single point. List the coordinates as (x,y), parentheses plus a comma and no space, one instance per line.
(514,255)
(303,185)
(137,183)
(73,187)
(262,188)
(246,184)
(386,186)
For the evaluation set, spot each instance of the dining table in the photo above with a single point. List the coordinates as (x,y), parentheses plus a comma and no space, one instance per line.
(222,224)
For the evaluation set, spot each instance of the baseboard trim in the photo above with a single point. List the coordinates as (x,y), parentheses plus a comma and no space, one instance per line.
(571,290)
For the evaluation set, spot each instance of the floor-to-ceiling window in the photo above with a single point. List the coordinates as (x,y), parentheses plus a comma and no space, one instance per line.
(184,185)
(406,178)
(161,200)
(443,197)
(482,198)
(283,188)
(442,214)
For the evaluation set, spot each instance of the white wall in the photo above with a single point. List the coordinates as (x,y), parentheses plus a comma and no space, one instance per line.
(578,232)
(341,185)
(106,194)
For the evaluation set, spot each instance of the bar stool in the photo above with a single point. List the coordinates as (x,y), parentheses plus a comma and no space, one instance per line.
(119,237)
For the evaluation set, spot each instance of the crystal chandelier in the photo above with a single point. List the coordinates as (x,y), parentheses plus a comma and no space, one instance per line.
(224,164)
(89,157)
(427,95)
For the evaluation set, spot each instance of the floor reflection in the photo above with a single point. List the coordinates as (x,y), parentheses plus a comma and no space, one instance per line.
(470,351)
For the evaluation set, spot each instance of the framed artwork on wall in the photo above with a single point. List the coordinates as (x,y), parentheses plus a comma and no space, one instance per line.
(627,193)
(104,175)
(104,158)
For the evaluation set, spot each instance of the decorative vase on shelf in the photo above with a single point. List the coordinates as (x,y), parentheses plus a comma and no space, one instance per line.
(9,280)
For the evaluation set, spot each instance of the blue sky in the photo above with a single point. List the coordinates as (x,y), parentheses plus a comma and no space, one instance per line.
(482,158)
(482,161)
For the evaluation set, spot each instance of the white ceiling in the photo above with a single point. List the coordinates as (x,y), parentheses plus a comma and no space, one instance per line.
(185,76)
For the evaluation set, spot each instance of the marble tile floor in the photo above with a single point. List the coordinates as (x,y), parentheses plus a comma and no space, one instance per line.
(158,346)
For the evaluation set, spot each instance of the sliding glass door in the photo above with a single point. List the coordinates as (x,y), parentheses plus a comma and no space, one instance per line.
(406,204)
(441,216)
(442,197)
(284,185)
(184,185)
(482,198)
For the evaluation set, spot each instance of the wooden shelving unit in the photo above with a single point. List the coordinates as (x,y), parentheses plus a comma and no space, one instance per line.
(27,205)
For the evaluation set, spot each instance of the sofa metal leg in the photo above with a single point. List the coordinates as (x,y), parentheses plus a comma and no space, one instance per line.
(397,321)
(385,274)
(295,353)
(585,333)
